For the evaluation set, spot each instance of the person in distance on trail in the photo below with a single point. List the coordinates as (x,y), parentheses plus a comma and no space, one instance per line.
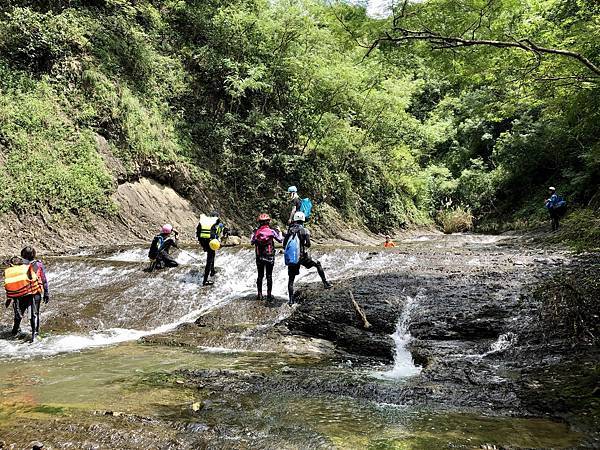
(26,285)
(262,239)
(556,206)
(160,247)
(297,241)
(209,232)
(295,201)
(388,242)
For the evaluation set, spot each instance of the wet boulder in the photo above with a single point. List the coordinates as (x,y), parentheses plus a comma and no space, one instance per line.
(332,315)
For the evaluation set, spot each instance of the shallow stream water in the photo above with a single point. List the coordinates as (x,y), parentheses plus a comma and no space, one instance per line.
(90,382)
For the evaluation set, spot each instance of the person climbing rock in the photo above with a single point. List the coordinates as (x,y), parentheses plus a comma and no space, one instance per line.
(388,242)
(209,232)
(295,201)
(26,285)
(160,247)
(556,207)
(296,245)
(263,240)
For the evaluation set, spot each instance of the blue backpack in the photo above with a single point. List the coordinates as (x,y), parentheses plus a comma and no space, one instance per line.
(306,207)
(291,253)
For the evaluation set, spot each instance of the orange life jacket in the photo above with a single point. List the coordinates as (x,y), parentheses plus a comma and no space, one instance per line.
(389,244)
(22,280)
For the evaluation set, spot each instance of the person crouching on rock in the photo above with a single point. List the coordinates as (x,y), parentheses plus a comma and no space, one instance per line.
(26,285)
(263,241)
(160,247)
(296,244)
(209,232)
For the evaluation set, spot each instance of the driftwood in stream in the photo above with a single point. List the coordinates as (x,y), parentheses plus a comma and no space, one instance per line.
(360,311)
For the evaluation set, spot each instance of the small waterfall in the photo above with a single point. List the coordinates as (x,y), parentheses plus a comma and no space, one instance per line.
(403,362)
(504,342)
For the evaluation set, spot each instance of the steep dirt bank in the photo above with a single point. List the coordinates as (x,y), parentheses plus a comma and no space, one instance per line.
(143,206)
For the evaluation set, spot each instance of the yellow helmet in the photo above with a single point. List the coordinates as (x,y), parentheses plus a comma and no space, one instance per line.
(214,244)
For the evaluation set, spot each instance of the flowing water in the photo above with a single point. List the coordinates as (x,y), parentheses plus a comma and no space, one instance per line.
(404,365)
(93,382)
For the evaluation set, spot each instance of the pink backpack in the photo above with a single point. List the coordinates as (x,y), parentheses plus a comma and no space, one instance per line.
(264,242)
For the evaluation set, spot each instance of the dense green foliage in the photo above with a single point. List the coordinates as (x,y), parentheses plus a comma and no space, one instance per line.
(255,95)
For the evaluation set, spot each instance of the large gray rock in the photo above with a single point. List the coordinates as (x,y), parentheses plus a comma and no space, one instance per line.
(331,315)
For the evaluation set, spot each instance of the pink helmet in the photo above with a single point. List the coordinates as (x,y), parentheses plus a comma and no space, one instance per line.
(166,228)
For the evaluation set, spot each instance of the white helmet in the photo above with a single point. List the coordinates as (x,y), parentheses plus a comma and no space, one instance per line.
(551,188)
(299,216)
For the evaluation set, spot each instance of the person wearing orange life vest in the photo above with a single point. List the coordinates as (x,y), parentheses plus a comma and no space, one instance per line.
(388,242)
(262,239)
(26,285)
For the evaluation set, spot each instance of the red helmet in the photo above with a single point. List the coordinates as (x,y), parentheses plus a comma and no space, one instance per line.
(264,217)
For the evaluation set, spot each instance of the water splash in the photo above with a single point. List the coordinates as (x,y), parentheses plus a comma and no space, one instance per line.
(404,365)
(504,342)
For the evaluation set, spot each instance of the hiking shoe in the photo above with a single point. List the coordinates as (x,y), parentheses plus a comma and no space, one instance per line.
(259,297)
(327,284)
(270,298)
(15,331)
(208,283)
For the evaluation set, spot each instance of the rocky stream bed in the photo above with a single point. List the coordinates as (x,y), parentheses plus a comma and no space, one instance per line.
(471,342)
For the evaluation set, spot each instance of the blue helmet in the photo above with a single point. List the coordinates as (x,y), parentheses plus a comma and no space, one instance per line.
(292,189)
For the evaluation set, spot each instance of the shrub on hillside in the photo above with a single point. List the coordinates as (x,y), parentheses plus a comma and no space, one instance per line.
(37,41)
(455,220)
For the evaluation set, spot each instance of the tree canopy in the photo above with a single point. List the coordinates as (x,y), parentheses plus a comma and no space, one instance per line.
(474,104)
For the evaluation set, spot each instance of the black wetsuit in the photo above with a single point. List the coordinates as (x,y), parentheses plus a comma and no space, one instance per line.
(215,233)
(295,207)
(209,268)
(159,251)
(305,259)
(265,257)
(554,218)
(20,306)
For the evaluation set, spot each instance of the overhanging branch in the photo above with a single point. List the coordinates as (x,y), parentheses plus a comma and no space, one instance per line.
(402,35)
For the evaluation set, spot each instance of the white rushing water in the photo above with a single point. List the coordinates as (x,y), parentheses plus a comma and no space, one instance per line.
(504,342)
(404,365)
(119,302)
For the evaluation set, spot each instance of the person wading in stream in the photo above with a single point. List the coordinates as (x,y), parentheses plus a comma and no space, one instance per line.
(556,206)
(209,232)
(388,242)
(296,244)
(263,240)
(26,285)
(159,249)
